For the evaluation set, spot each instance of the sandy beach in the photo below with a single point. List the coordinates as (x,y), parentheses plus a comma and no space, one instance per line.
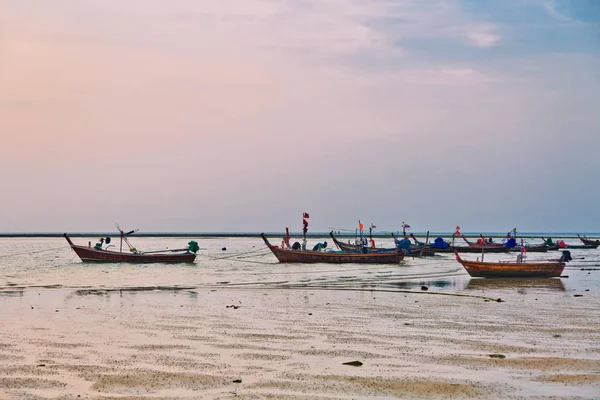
(293,343)
(258,329)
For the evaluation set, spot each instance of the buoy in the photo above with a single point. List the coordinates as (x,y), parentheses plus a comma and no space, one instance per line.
(224,248)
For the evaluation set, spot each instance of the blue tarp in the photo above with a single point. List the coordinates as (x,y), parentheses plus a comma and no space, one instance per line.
(510,243)
(404,244)
(439,243)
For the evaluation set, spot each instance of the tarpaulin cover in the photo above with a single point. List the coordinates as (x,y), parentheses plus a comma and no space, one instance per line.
(440,243)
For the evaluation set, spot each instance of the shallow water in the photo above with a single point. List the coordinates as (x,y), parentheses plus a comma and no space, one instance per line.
(49,262)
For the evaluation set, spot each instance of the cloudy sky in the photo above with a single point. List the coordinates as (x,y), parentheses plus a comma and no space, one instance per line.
(239,115)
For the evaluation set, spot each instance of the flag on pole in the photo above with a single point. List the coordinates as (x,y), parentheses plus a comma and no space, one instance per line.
(305,215)
(305,224)
(373,226)
(457,231)
(360,226)
(405,226)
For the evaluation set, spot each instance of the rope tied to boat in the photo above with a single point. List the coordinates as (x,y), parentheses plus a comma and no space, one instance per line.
(30,252)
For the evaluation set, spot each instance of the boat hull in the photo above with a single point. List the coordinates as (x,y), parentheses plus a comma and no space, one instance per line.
(468,249)
(579,246)
(534,248)
(314,257)
(87,254)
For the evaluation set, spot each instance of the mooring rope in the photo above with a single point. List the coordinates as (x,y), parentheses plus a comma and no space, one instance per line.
(350,289)
(30,252)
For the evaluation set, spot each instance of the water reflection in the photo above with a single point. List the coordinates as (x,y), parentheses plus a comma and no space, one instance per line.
(520,284)
(11,293)
(453,284)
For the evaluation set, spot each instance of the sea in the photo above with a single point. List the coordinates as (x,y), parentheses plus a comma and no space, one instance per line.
(33,262)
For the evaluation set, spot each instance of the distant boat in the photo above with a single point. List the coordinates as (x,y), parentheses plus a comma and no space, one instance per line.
(485,245)
(515,269)
(99,254)
(416,250)
(439,246)
(358,249)
(560,244)
(589,242)
(308,256)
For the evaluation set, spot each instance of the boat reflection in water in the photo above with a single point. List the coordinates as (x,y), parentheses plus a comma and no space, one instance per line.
(518,284)
(452,284)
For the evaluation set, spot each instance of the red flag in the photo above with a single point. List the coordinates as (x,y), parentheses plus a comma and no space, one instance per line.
(305,215)
(457,232)
(305,222)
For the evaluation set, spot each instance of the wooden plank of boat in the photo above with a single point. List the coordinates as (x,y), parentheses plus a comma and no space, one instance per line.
(311,257)
(91,254)
(534,269)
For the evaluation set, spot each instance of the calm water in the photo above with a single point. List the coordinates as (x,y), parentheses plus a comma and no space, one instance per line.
(27,263)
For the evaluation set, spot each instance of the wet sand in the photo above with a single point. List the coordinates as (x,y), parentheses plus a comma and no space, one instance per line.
(540,342)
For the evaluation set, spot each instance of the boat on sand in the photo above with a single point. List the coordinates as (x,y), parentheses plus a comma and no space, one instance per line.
(103,254)
(515,269)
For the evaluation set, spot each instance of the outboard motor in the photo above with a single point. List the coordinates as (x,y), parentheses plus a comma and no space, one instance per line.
(566,256)
(296,246)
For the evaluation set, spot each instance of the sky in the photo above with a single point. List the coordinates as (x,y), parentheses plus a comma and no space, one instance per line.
(240,115)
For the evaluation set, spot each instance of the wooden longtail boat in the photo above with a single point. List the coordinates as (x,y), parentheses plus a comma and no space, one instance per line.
(92,254)
(473,248)
(487,246)
(311,257)
(484,245)
(467,249)
(579,246)
(511,269)
(531,248)
(589,242)
(416,250)
(560,245)
(356,249)
(551,245)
